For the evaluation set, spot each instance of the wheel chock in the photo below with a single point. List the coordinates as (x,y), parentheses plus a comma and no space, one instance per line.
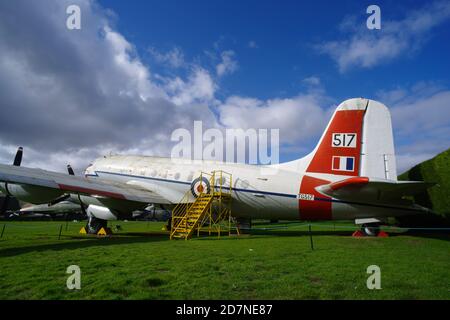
(358,234)
(383,234)
(104,232)
(83,230)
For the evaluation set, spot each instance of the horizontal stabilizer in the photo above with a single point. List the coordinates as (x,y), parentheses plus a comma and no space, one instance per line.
(365,189)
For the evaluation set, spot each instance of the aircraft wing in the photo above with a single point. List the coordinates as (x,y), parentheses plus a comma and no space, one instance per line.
(365,189)
(79,185)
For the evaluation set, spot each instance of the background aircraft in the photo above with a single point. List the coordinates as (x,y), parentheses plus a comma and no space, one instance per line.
(351,174)
(64,209)
(152,213)
(8,205)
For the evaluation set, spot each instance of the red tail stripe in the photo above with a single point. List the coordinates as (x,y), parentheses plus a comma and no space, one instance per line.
(66,187)
(314,210)
(344,121)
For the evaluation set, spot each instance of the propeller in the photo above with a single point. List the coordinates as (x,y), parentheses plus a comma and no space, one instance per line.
(65,196)
(17,161)
(70,170)
(18,157)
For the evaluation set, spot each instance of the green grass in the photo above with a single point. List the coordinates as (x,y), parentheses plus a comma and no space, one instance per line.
(141,263)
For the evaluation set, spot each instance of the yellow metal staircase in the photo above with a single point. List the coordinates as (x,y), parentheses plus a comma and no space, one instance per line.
(212,206)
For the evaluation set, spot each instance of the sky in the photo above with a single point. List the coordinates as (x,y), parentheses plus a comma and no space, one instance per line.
(138,70)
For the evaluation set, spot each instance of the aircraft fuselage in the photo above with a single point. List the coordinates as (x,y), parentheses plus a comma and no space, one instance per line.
(259,192)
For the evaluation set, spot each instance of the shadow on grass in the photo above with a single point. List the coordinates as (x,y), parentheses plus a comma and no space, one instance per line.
(292,233)
(438,235)
(80,242)
(277,233)
(86,242)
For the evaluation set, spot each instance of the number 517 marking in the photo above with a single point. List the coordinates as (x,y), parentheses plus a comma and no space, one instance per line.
(344,140)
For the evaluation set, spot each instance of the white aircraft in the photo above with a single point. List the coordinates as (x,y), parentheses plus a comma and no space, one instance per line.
(351,174)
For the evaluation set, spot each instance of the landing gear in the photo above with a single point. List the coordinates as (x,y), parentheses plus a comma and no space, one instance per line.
(371,229)
(169,224)
(244,225)
(94,225)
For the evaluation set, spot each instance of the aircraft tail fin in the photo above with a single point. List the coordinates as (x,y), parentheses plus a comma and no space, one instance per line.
(358,141)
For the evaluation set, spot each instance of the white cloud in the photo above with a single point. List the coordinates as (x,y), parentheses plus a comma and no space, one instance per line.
(299,119)
(421,122)
(408,160)
(71,96)
(137,74)
(173,58)
(368,48)
(199,87)
(228,64)
(311,81)
(425,115)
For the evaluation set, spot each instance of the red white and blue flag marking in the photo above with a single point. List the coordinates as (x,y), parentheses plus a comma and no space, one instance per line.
(343,163)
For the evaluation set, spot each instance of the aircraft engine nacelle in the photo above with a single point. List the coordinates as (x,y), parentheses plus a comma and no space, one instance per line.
(31,194)
(100,212)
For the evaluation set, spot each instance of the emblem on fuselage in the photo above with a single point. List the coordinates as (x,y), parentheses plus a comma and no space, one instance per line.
(200,186)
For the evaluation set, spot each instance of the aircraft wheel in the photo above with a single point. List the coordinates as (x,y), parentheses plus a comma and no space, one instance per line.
(94,225)
(370,230)
(244,225)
